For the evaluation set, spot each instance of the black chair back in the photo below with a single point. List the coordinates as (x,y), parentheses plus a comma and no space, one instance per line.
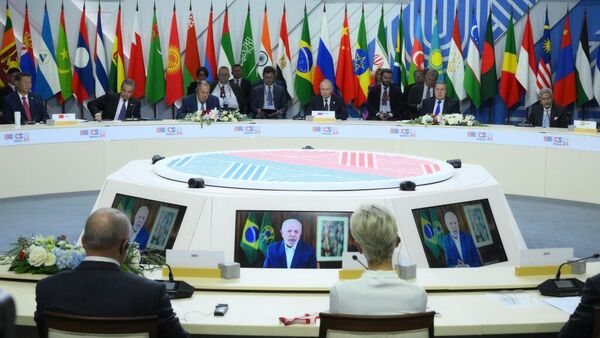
(389,324)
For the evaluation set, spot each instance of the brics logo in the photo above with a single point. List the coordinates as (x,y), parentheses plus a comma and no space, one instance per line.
(403,132)
(480,135)
(247,130)
(93,133)
(325,130)
(16,137)
(559,141)
(169,131)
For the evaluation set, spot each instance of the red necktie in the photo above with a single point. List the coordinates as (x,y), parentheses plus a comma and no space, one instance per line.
(27,110)
(384,97)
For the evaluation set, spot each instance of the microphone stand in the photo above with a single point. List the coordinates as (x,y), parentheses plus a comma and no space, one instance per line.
(557,287)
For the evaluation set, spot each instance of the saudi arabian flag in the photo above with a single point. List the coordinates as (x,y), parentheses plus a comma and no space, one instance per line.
(267,233)
(247,57)
(428,235)
(304,67)
(249,240)
(155,81)
(63,61)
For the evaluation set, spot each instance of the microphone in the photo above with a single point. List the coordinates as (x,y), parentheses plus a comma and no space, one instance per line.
(594,256)
(176,289)
(354,257)
(556,287)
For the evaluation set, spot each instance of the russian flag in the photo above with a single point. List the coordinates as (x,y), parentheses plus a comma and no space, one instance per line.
(564,81)
(46,84)
(324,67)
(83,77)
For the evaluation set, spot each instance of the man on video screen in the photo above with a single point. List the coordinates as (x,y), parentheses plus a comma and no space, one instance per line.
(291,252)
(459,247)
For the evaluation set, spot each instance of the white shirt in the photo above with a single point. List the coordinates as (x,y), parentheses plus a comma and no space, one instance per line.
(377,293)
(118,112)
(101,259)
(387,108)
(289,254)
(425,90)
(458,246)
(327,103)
(201,105)
(229,99)
(266,104)
(436,104)
(134,233)
(26,99)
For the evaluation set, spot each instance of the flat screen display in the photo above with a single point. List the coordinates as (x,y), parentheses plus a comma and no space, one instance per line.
(459,235)
(260,241)
(154,224)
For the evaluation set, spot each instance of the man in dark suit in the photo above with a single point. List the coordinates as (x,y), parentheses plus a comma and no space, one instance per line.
(419,76)
(230,95)
(113,106)
(268,100)
(201,74)
(440,104)
(236,71)
(418,93)
(12,82)
(328,101)
(581,322)
(291,252)
(98,286)
(31,106)
(200,101)
(384,101)
(547,114)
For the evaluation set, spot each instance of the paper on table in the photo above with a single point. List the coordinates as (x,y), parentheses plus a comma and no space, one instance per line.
(566,304)
(512,299)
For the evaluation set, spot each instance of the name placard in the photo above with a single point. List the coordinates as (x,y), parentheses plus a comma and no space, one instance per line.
(323,116)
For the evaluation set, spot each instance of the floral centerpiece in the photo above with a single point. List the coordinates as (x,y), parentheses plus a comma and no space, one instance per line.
(50,255)
(216,115)
(446,119)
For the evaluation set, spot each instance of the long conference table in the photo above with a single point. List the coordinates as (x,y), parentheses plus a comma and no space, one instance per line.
(490,301)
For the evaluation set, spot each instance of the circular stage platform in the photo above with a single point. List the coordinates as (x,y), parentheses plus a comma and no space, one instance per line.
(304,170)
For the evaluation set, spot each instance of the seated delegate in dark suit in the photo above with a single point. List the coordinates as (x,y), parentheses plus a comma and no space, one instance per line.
(581,322)
(268,100)
(113,106)
(547,114)
(98,286)
(440,103)
(201,74)
(468,256)
(7,89)
(291,252)
(418,93)
(200,101)
(384,101)
(327,101)
(419,76)
(230,95)
(245,85)
(30,105)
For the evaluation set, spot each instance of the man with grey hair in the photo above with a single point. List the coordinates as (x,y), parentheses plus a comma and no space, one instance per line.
(379,291)
(547,114)
(99,288)
(116,106)
(291,252)
(328,101)
(459,248)
(201,100)
(420,92)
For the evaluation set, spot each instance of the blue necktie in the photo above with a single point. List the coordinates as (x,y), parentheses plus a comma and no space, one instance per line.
(546,119)
(270,97)
(123,111)
(438,107)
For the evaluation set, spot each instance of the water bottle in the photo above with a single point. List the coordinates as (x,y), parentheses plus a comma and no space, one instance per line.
(17,118)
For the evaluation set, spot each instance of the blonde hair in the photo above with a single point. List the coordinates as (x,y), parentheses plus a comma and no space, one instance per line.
(374,228)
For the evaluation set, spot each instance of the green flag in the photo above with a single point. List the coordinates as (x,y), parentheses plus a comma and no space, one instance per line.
(63,61)
(438,232)
(226,58)
(249,240)
(489,81)
(155,81)
(247,57)
(399,55)
(436,61)
(380,57)
(429,238)
(304,68)
(267,233)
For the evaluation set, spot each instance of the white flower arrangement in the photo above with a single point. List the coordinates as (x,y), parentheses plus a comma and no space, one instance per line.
(446,120)
(216,115)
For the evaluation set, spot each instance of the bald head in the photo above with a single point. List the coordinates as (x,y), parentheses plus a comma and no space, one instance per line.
(105,232)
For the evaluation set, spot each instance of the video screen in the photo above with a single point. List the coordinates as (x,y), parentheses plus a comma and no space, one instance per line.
(459,235)
(298,239)
(154,224)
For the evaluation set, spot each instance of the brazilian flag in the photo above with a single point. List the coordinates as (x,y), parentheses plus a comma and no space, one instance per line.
(438,233)
(429,237)
(249,241)
(267,233)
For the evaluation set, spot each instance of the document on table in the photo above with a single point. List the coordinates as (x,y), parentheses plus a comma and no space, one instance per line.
(512,299)
(566,304)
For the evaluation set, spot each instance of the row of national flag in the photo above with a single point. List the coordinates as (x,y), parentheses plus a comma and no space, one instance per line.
(92,74)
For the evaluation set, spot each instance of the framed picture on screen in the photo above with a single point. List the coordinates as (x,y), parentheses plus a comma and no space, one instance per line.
(332,237)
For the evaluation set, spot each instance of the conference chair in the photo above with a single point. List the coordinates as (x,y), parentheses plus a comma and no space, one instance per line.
(60,325)
(8,314)
(596,332)
(413,325)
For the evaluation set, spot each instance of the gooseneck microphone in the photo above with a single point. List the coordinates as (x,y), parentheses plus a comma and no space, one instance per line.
(355,257)
(594,256)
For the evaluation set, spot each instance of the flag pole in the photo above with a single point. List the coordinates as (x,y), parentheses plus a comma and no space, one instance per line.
(155,110)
